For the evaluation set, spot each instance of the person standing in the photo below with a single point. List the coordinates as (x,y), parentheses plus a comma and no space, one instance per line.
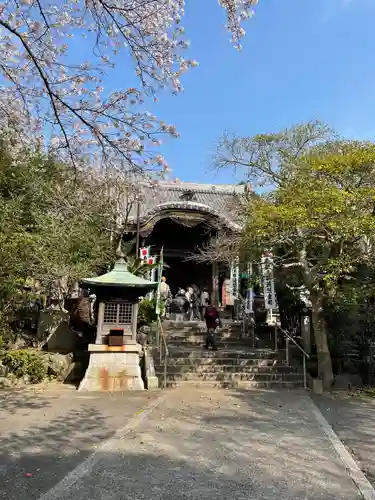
(165,291)
(189,296)
(165,295)
(212,321)
(205,299)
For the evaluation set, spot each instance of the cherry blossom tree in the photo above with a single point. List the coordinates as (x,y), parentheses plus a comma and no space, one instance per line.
(56,58)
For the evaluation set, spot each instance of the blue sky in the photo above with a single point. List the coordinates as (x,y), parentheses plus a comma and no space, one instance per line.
(301,60)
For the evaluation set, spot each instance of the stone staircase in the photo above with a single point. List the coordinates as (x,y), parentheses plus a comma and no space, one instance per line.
(235,364)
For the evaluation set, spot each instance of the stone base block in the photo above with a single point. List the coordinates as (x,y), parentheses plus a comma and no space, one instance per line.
(152,379)
(152,383)
(317,386)
(113,370)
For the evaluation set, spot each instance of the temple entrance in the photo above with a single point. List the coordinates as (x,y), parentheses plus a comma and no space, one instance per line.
(179,242)
(183,274)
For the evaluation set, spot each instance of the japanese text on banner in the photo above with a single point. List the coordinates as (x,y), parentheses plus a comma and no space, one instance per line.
(268,281)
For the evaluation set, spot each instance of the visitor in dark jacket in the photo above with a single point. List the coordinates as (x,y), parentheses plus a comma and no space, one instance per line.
(211,316)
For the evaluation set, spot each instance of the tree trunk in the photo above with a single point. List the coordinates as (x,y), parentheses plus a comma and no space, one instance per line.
(320,333)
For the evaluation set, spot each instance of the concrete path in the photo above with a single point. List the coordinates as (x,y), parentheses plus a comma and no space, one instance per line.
(353,419)
(211,445)
(44,434)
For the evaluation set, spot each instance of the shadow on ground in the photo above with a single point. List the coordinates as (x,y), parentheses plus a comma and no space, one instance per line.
(19,400)
(47,435)
(353,419)
(239,444)
(283,441)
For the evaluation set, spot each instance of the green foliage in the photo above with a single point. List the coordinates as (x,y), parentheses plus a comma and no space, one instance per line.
(137,266)
(25,362)
(317,215)
(6,333)
(53,224)
(366,392)
(350,312)
(146,312)
(317,219)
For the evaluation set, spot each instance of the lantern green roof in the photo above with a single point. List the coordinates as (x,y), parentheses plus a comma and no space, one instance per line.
(121,277)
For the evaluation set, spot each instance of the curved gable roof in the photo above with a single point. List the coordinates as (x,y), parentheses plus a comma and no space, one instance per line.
(217,199)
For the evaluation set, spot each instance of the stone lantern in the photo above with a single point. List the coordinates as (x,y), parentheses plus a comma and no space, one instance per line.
(114,358)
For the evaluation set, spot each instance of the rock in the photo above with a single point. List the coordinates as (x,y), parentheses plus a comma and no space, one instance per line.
(144,329)
(5,383)
(58,364)
(80,310)
(18,343)
(76,372)
(54,325)
(3,370)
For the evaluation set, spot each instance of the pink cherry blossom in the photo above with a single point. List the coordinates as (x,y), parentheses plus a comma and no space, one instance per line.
(51,96)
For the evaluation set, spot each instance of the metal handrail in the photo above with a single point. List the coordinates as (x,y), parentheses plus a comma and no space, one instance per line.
(166,351)
(305,355)
(294,342)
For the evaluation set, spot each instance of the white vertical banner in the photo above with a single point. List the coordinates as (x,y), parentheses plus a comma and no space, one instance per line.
(249,293)
(235,278)
(249,301)
(267,266)
(160,270)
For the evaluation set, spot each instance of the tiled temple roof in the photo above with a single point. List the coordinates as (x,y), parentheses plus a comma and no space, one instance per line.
(218,198)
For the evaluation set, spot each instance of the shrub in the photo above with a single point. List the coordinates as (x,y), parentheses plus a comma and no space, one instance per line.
(146,311)
(6,333)
(26,363)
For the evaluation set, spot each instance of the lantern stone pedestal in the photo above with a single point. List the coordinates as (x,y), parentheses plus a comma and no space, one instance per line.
(113,368)
(114,363)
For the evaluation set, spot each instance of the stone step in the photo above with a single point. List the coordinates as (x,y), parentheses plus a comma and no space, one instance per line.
(240,349)
(232,377)
(223,352)
(181,325)
(199,336)
(221,343)
(217,368)
(217,360)
(201,330)
(236,385)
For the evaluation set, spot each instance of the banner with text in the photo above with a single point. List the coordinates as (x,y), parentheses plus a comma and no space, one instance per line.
(267,266)
(160,270)
(250,293)
(235,278)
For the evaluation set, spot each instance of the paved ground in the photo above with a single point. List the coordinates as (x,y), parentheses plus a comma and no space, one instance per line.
(194,445)
(48,433)
(353,419)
